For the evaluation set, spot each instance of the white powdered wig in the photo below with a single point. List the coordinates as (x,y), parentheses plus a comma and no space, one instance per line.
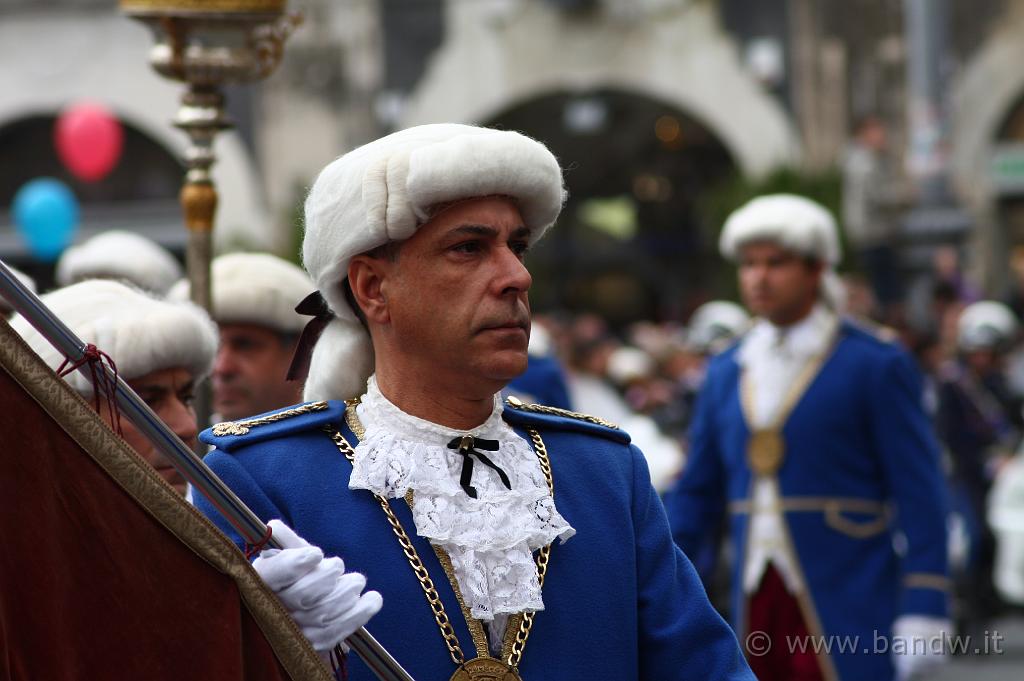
(834,291)
(141,334)
(794,222)
(255,288)
(986,324)
(120,255)
(382,192)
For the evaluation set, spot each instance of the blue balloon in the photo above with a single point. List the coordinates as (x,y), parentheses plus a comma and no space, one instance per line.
(46,214)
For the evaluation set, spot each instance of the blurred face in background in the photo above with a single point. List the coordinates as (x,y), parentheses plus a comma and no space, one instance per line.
(778,284)
(983,361)
(169,393)
(250,369)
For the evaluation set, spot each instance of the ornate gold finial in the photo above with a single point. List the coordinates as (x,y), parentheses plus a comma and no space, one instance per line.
(268,6)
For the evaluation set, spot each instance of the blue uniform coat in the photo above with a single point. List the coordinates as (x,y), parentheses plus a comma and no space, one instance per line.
(621,600)
(861,466)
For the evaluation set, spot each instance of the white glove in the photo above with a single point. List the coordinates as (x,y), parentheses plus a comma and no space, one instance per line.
(919,645)
(322,599)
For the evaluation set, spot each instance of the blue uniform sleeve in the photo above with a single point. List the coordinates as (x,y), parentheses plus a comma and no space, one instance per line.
(697,502)
(245,488)
(909,457)
(681,634)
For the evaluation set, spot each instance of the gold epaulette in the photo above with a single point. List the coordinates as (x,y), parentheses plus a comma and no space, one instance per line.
(243,427)
(517,403)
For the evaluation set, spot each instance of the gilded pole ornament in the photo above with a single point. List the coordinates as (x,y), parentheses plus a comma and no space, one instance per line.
(206,44)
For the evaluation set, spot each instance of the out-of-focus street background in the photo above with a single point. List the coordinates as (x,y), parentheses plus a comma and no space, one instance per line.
(905,118)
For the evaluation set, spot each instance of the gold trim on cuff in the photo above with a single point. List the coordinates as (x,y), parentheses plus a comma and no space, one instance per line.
(925,580)
(815,504)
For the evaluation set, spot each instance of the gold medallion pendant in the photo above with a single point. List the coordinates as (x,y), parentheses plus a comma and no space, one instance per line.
(485,669)
(765,451)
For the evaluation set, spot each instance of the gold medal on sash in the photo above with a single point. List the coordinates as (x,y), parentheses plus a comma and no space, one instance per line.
(766,448)
(485,669)
(765,451)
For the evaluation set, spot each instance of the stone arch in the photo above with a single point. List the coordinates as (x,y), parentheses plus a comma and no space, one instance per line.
(682,57)
(633,239)
(988,88)
(991,84)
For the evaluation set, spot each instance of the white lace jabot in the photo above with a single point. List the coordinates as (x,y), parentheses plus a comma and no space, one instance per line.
(490,539)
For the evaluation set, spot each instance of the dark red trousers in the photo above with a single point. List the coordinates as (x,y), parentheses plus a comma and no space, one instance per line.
(775,632)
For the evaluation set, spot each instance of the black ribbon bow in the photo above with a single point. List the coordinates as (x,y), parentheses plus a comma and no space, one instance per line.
(466,446)
(313,306)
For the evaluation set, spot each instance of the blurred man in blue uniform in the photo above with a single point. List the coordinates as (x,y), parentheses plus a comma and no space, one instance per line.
(810,433)
(416,242)
(979,421)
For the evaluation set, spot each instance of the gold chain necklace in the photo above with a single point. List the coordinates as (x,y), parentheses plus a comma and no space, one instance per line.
(484,667)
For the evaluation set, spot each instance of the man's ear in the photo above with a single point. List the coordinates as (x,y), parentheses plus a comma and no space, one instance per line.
(366,279)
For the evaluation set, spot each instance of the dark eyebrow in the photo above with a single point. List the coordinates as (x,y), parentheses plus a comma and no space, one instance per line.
(486,230)
(474,230)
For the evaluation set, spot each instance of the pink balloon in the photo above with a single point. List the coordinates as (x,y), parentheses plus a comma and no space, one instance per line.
(89,140)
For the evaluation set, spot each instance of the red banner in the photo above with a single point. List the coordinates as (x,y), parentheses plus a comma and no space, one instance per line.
(105,572)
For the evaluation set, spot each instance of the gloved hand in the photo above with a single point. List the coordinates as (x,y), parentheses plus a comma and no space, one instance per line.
(919,645)
(322,598)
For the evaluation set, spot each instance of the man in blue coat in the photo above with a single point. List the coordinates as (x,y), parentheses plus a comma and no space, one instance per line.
(810,434)
(507,540)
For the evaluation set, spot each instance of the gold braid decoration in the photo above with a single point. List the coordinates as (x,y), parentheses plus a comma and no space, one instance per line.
(517,403)
(426,583)
(243,427)
(515,637)
(523,632)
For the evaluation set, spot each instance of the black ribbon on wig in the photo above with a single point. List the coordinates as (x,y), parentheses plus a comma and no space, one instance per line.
(316,307)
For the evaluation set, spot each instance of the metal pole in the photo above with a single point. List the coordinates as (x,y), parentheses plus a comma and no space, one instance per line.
(926,34)
(191,467)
